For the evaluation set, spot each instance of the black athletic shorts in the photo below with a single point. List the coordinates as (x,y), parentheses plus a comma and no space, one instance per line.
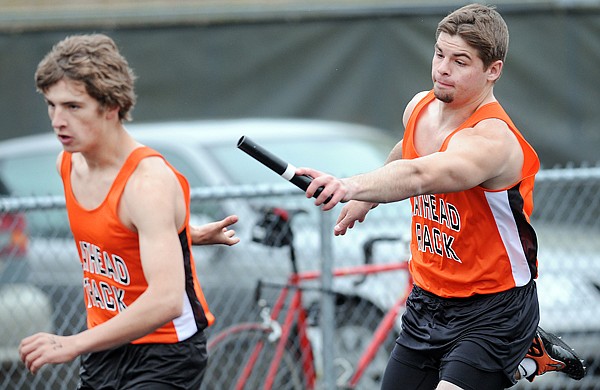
(146,366)
(490,333)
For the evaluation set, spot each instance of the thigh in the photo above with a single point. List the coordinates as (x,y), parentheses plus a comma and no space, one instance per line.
(409,370)
(154,386)
(147,366)
(470,378)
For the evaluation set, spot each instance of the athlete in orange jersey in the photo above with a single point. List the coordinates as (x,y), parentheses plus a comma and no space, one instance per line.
(468,172)
(129,212)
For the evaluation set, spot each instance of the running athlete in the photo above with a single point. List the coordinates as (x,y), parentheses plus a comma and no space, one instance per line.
(129,213)
(469,174)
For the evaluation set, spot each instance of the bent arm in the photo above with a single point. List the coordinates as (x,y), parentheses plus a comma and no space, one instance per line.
(156,215)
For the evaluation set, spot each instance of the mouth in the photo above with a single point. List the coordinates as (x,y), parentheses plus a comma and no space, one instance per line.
(64,139)
(443,84)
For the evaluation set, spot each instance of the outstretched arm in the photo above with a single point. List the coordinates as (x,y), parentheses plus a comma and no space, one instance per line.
(356,210)
(487,155)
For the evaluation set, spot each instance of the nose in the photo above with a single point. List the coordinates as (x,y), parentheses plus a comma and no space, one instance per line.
(56,117)
(442,66)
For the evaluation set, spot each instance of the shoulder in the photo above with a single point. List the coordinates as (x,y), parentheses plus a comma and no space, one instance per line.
(492,128)
(489,135)
(59,160)
(151,180)
(152,172)
(152,193)
(412,104)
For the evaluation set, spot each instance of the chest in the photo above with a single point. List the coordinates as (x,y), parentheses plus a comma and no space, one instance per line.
(431,132)
(91,188)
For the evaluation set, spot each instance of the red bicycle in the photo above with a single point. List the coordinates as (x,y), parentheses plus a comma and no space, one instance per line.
(280,352)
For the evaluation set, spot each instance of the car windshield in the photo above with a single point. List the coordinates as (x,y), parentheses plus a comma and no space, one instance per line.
(342,157)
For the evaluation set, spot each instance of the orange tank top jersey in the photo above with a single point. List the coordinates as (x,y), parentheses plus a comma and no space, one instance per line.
(113,277)
(477,241)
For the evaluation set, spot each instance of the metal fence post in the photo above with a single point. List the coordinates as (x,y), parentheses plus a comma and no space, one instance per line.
(327,301)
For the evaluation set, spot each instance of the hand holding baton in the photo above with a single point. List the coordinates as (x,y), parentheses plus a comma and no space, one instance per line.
(277,165)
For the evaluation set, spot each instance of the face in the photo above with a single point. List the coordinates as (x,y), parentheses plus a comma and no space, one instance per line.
(76,117)
(458,73)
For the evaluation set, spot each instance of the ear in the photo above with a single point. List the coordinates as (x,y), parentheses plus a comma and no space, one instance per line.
(495,70)
(112,112)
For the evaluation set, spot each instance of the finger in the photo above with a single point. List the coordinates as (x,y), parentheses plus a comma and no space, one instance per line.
(301,171)
(344,224)
(335,199)
(36,365)
(342,215)
(312,188)
(229,220)
(341,227)
(339,230)
(29,344)
(30,360)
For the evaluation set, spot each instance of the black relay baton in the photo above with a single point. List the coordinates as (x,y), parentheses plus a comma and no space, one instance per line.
(277,165)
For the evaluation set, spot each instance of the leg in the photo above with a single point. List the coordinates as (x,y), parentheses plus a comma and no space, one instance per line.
(400,374)
(154,386)
(550,353)
(459,375)
(448,386)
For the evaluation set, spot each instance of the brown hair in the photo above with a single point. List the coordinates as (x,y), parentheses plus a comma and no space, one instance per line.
(95,61)
(480,26)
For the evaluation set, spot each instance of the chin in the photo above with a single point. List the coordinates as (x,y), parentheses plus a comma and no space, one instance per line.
(443,96)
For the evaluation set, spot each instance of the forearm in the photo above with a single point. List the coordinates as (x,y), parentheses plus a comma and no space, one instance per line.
(394,155)
(149,312)
(395,181)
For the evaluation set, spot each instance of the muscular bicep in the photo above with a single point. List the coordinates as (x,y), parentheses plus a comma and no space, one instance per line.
(488,156)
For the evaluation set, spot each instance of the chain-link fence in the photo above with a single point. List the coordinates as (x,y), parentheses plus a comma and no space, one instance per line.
(40,276)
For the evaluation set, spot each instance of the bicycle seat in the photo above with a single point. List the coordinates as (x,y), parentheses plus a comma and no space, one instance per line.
(274,227)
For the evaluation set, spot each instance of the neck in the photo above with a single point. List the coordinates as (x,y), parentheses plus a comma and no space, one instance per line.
(456,112)
(111,151)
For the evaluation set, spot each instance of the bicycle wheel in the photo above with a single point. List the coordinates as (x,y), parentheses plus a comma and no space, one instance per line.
(232,352)
(355,325)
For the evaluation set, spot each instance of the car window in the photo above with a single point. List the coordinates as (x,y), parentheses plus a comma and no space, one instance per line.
(33,174)
(202,212)
(341,157)
(36,175)
(182,166)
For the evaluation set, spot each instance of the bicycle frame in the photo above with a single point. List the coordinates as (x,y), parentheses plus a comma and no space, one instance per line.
(296,314)
(276,361)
